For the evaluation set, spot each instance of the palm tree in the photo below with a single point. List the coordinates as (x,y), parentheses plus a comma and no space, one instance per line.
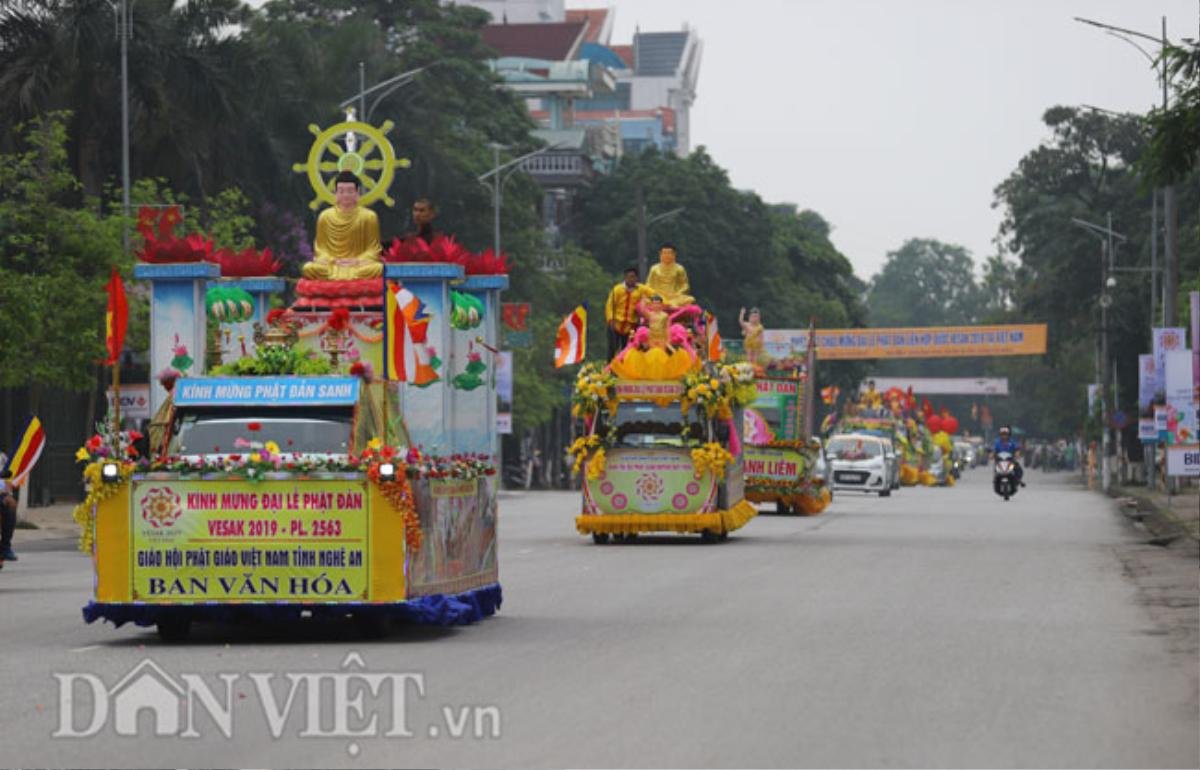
(193,82)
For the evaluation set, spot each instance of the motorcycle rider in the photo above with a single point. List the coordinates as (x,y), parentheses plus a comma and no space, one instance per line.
(1004,443)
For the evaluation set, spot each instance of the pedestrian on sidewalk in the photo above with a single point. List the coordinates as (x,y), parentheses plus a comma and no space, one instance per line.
(8,514)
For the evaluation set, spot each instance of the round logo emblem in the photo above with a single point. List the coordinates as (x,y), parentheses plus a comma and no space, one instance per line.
(160,507)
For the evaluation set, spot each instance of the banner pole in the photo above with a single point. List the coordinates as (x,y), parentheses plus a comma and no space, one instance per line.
(116,379)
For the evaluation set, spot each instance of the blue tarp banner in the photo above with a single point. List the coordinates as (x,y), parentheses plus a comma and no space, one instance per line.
(267,391)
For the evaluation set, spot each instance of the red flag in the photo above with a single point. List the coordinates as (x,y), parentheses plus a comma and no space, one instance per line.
(115,319)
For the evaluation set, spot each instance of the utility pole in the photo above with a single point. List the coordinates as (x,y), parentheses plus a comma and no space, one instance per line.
(496,202)
(362,91)
(125,29)
(1170,217)
(641,234)
(1106,235)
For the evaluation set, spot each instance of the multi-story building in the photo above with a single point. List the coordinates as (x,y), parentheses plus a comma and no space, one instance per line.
(656,76)
(593,100)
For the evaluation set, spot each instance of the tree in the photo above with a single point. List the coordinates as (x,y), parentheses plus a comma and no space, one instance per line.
(738,251)
(924,283)
(1088,169)
(194,89)
(54,259)
(444,119)
(1175,140)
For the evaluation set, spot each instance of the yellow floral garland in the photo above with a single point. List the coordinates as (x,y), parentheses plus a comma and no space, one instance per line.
(597,465)
(399,493)
(712,456)
(99,490)
(579,449)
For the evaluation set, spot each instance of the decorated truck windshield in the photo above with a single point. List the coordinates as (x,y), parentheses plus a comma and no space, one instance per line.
(656,455)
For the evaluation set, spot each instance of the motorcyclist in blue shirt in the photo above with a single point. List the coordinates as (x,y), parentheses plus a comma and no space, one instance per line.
(1004,443)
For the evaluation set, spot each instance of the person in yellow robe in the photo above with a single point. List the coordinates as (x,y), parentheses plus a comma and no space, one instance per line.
(347,245)
(621,311)
(669,279)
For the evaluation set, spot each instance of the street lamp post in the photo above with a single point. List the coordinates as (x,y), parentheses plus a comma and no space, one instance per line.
(1106,235)
(389,86)
(643,226)
(498,178)
(1170,216)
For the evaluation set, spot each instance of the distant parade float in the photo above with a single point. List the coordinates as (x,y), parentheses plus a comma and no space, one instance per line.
(672,439)
(332,458)
(921,437)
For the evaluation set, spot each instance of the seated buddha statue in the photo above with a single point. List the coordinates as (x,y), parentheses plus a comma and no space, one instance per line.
(669,280)
(347,245)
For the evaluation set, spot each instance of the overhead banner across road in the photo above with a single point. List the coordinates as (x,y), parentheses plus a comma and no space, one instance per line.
(910,342)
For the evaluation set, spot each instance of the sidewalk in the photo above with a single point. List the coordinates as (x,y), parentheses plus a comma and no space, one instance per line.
(1164,517)
(52,521)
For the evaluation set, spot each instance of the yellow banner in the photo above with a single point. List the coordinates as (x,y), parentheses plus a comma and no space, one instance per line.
(232,541)
(910,342)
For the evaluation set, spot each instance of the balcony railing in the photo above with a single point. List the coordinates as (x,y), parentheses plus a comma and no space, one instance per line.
(556,165)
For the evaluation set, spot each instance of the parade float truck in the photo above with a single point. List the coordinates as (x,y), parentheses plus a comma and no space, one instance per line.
(658,455)
(778,460)
(330,458)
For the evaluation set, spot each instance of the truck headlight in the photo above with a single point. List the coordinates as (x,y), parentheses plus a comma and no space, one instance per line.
(387,471)
(110,473)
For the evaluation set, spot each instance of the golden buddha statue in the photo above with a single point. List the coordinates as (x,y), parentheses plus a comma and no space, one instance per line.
(669,280)
(752,334)
(347,245)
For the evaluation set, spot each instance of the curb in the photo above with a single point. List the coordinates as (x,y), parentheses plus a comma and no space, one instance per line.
(1164,526)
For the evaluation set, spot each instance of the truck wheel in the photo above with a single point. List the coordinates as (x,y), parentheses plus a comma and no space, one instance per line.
(781,508)
(885,493)
(174,627)
(708,536)
(599,538)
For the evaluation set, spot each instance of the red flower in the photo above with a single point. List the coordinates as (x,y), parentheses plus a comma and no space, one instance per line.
(275,315)
(135,435)
(339,320)
(131,451)
(387,453)
(94,443)
(357,369)
(255,426)
(235,458)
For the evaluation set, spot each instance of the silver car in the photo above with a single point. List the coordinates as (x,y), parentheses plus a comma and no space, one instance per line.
(858,463)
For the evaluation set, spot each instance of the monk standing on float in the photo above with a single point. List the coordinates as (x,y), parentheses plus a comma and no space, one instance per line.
(347,245)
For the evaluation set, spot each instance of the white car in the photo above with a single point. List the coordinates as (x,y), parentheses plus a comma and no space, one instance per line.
(858,463)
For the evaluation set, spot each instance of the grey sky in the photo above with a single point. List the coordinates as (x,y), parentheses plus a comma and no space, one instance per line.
(897,119)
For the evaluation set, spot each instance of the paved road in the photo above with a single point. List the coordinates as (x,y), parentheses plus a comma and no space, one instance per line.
(940,627)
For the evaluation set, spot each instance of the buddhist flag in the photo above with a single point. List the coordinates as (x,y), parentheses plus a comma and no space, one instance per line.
(28,450)
(570,346)
(407,356)
(829,394)
(115,319)
(716,348)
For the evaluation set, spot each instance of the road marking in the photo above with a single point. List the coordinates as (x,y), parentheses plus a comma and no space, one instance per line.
(88,648)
